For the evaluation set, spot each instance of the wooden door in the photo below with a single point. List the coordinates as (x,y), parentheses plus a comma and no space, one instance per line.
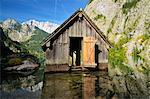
(89,51)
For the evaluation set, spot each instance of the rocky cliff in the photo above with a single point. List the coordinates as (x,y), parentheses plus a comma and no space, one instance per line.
(19,41)
(23,31)
(126,23)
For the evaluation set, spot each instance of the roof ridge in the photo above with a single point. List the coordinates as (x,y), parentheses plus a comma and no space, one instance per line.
(50,35)
(72,17)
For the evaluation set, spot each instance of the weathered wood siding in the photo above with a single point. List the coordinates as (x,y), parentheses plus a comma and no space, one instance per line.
(59,53)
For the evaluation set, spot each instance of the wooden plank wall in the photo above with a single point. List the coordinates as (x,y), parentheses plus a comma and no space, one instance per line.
(59,54)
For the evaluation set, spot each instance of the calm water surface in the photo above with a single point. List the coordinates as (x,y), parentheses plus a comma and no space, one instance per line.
(81,85)
(94,85)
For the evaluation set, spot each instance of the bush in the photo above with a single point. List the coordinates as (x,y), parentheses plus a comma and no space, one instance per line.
(14,61)
(99,16)
(128,5)
(117,58)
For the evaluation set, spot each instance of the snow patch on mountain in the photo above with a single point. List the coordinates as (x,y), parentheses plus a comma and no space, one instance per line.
(48,27)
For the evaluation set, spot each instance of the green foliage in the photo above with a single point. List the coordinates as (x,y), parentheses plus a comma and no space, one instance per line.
(29,50)
(109,30)
(126,70)
(99,16)
(126,20)
(94,11)
(33,44)
(128,5)
(147,26)
(34,48)
(117,58)
(145,37)
(14,61)
(112,24)
(135,54)
(122,41)
(132,27)
(146,69)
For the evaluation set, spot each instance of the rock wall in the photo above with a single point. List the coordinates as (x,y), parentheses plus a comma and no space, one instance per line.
(126,23)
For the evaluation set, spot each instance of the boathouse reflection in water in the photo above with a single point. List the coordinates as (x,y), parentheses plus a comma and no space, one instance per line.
(93,85)
(75,86)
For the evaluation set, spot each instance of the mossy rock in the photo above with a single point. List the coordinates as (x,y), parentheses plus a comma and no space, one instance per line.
(14,61)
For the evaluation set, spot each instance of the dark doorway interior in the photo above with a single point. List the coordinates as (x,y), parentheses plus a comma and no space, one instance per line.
(97,51)
(75,50)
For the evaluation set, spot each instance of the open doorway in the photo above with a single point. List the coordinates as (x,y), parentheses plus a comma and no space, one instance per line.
(75,51)
(97,51)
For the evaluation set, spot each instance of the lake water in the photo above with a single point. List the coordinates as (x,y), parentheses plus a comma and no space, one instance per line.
(91,85)
(77,85)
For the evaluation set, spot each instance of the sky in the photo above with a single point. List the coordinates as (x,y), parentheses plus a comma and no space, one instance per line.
(56,11)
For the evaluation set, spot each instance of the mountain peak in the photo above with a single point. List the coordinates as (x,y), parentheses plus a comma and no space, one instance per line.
(10,23)
(47,26)
(23,31)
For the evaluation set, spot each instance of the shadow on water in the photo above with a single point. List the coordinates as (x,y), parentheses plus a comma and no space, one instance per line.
(95,85)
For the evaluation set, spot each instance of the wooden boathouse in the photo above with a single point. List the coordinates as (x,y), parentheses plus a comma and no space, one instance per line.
(77,44)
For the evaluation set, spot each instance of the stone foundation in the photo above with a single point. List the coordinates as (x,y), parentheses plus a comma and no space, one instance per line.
(102,66)
(56,67)
(65,67)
